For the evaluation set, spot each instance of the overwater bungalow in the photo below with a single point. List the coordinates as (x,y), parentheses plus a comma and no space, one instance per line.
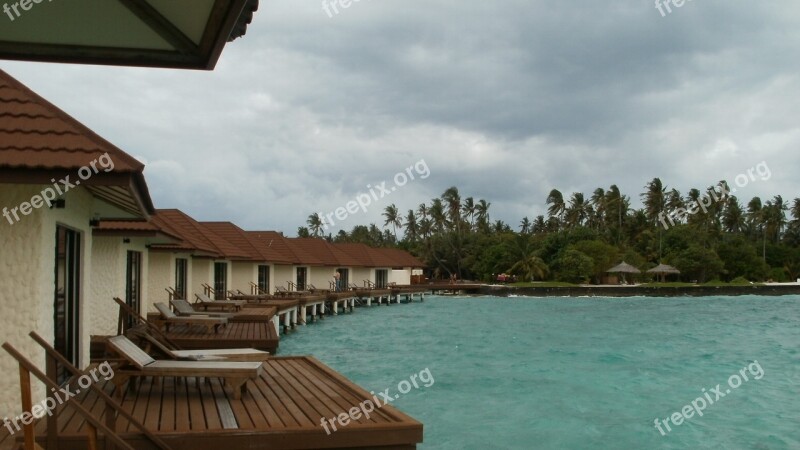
(78,229)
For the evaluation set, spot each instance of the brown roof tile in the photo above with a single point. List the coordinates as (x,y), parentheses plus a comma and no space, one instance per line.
(34,133)
(257,250)
(39,141)
(187,229)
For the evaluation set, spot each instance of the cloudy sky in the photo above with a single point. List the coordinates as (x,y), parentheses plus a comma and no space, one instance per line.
(504,99)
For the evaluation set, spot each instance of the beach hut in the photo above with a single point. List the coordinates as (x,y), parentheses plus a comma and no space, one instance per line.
(623,268)
(662,270)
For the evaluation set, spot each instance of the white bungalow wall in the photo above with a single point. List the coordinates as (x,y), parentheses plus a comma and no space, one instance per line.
(281,275)
(27,271)
(320,276)
(242,274)
(400,276)
(161,275)
(109,280)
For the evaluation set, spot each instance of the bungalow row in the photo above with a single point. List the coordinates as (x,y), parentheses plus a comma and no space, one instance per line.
(79,228)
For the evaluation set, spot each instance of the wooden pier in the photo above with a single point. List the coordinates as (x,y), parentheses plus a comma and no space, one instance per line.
(282,409)
(259,335)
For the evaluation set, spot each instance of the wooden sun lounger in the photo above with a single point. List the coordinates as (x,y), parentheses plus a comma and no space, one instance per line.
(184,308)
(169,318)
(203,301)
(235,374)
(141,334)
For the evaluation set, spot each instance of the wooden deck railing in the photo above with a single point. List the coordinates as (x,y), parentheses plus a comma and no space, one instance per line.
(93,425)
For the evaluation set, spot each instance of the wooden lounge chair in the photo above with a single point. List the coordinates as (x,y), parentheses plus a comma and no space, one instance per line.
(169,318)
(185,309)
(142,334)
(141,364)
(204,302)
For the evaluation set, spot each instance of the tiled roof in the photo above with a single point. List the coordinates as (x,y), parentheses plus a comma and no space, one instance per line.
(189,230)
(273,245)
(256,249)
(360,252)
(325,252)
(132,227)
(304,253)
(35,135)
(400,258)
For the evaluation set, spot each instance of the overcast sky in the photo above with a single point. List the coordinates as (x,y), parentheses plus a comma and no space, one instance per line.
(504,99)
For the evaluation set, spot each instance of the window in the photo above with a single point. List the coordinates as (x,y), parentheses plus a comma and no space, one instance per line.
(381,278)
(133,283)
(302,276)
(344,279)
(181,277)
(220,280)
(67,298)
(263,279)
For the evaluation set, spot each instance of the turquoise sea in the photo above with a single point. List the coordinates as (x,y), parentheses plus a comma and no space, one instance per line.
(578,373)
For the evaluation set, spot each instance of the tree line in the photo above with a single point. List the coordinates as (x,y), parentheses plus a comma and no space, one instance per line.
(708,234)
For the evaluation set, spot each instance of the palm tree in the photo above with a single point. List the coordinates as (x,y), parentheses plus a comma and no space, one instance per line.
(468,209)
(755,222)
(775,217)
(452,199)
(578,210)
(539,225)
(482,213)
(525,225)
(557,206)
(733,218)
(315,224)
(412,228)
(654,199)
(530,267)
(598,204)
(393,218)
(437,214)
(422,211)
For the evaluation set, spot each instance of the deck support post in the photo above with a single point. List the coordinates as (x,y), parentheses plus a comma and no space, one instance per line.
(276,320)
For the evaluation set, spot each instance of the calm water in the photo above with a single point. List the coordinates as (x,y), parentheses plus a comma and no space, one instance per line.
(577,372)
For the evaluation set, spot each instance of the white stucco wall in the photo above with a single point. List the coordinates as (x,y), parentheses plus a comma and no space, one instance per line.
(109,273)
(27,270)
(320,276)
(202,271)
(160,275)
(281,275)
(400,276)
(359,274)
(242,274)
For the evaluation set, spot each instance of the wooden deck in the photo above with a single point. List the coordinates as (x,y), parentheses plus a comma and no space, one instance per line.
(283,409)
(260,335)
(374,295)
(344,299)
(248,314)
(7,441)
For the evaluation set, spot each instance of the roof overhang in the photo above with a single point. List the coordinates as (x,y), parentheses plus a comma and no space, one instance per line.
(124,190)
(183,34)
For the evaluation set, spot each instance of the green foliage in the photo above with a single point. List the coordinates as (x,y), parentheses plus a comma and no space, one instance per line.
(741,261)
(581,236)
(604,256)
(698,263)
(573,267)
(778,275)
(742,281)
